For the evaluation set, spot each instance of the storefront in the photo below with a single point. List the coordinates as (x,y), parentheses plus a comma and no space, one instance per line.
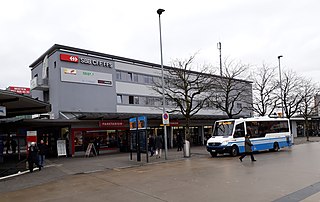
(112,136)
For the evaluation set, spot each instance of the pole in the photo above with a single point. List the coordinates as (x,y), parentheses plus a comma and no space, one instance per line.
(219,47)
(280,85)
(160,11)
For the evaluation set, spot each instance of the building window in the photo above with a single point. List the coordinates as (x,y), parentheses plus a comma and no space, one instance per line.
(147,79)
(135,78)
(118,75)
(136,100)
(129,76)
(119,99)
(131,100)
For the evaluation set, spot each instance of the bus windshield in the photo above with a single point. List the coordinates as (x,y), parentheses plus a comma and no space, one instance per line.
(223,128)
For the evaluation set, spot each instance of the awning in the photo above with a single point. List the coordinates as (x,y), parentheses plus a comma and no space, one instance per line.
(18,104)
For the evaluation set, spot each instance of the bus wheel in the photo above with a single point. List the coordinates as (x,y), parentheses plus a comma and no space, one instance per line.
(234,151)
(213,154)
(276,147)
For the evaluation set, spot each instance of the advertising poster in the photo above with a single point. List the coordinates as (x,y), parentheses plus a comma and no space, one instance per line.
(86,77)
(61,148)
(31,137)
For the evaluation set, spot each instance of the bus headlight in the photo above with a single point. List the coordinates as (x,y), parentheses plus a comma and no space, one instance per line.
(224,143)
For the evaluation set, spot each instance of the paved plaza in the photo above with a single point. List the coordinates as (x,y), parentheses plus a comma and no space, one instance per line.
(289,175)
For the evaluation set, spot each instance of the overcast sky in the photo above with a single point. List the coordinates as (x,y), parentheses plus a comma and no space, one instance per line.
(253,31)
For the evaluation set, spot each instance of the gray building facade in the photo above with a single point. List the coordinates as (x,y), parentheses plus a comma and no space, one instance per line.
(97,93)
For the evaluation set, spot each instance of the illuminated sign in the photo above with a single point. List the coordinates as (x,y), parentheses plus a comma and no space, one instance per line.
(112,124)
(138,123)
(142,122)
(86,77)
(133,123)
(69,58)
(19,90)
(83,60)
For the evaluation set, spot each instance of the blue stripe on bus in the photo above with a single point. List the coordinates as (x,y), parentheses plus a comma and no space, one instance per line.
(262,144)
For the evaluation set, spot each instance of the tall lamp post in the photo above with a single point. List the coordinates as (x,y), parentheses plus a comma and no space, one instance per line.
(219,47)
(280,56)
(160,11)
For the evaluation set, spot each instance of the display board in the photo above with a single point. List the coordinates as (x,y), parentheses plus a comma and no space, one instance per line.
(61,148)
(143,140)
(89,149)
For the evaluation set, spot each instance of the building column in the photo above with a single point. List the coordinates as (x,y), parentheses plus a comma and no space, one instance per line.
(202,135)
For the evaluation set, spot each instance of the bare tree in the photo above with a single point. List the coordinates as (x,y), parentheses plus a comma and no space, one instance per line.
(308,105)
(264,87)
(292,95)
(186,89)
(231,95)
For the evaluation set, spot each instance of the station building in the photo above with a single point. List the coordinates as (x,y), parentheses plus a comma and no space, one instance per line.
(95,94)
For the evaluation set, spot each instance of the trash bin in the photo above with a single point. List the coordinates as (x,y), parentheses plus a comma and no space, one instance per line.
(186,148)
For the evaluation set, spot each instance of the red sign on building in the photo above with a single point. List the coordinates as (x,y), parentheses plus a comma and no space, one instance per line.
(174,122)
(19,90)
(69,58)
(112,124)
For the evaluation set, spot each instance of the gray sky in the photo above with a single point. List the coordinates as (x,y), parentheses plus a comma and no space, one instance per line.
(253,31)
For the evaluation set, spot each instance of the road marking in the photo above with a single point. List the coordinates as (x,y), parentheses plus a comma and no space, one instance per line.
(300,194)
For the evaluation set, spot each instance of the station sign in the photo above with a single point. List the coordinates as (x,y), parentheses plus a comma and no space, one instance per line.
(85,60)
(69,58)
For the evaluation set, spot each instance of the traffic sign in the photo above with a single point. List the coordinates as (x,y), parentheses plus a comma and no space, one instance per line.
(165,118)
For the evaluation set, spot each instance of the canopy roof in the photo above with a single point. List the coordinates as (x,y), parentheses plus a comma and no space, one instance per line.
(18,104)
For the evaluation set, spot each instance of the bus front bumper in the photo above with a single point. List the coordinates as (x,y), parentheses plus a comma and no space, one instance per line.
(218,149)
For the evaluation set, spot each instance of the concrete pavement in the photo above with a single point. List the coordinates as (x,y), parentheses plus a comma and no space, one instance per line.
(281,176)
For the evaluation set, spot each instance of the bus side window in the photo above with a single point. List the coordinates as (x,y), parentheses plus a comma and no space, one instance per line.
(239,130)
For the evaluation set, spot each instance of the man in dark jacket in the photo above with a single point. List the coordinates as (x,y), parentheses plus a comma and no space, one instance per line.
(33,156)
(151,145)
(43,149)
(248,149)
(179,142)
(158,145)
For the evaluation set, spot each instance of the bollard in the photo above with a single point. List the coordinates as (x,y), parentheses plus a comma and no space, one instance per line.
(186,149)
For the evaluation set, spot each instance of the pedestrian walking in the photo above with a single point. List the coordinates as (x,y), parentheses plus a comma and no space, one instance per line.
(151,145)
(33,156)
(43,149)
(248,149)
(179,142)
(158,145)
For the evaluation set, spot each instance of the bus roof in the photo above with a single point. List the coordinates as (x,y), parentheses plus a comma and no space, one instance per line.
(264,118)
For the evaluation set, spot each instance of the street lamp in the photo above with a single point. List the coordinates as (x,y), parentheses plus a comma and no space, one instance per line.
(219,47)
(160,11)
(280,56)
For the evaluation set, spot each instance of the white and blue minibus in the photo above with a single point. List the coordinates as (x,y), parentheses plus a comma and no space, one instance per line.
(265,134)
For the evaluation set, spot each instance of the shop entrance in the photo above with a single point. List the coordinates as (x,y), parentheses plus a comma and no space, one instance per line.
(108,141)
